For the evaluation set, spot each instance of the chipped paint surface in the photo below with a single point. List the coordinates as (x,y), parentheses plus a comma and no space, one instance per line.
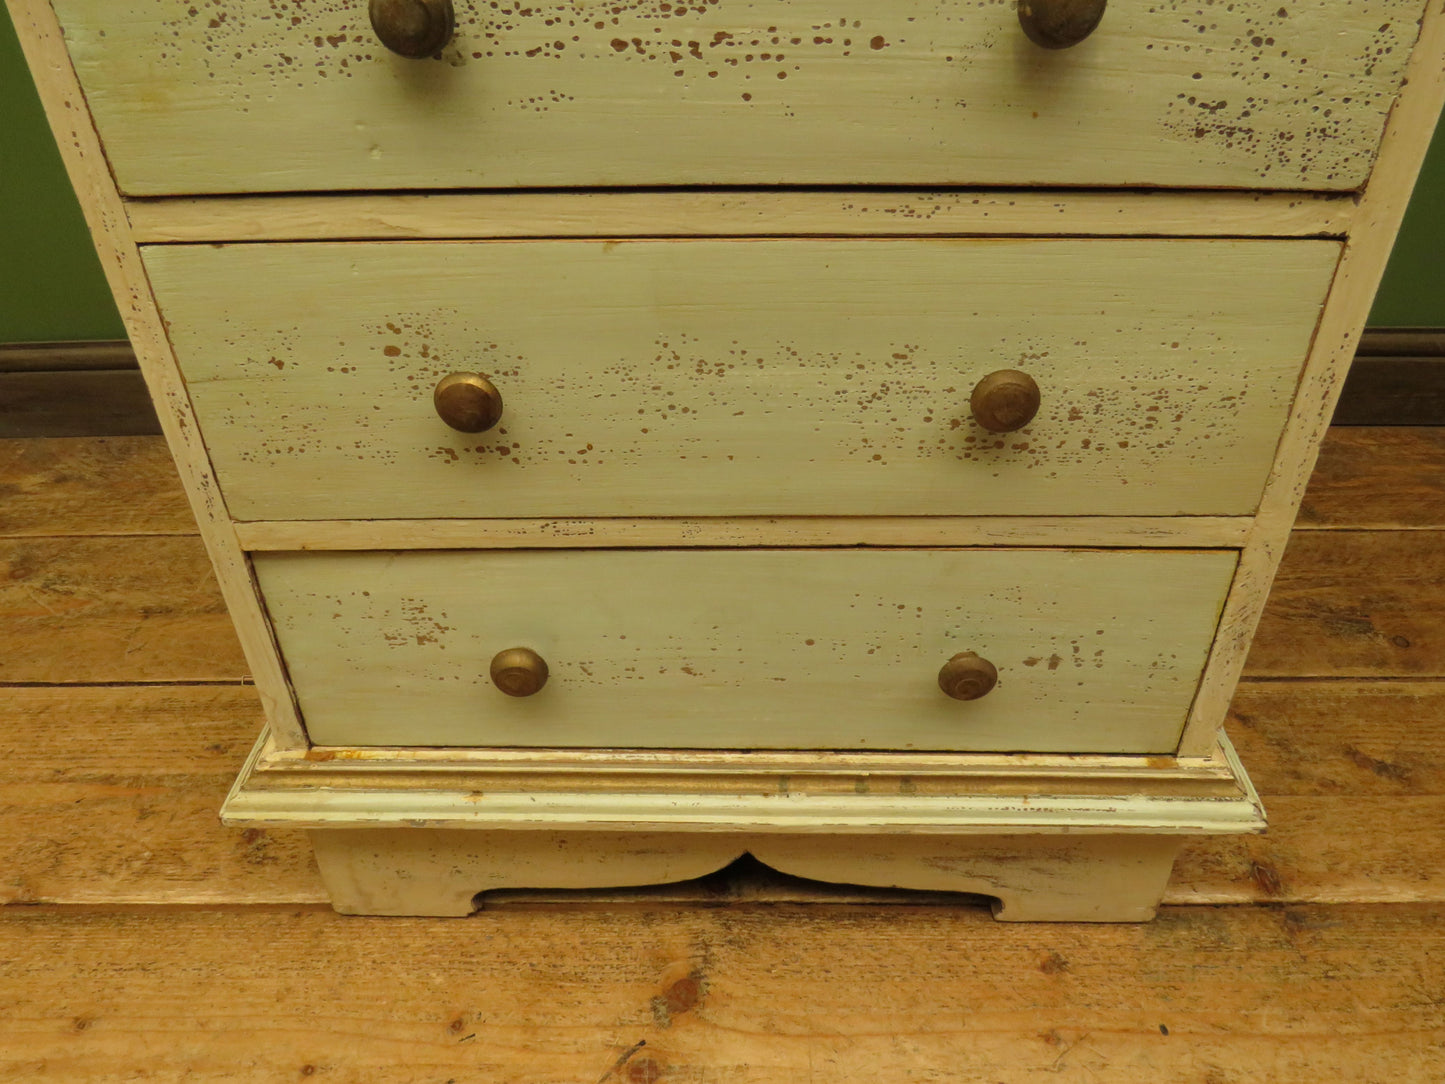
(216,95)
(742,378)
(1096,651)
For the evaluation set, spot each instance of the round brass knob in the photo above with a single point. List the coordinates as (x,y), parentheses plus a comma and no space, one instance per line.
(468,402)
(967,676)
(519,671)
(1057,24)
(1005,401)
(413,28)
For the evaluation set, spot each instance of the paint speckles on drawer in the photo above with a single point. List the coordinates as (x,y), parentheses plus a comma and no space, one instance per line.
(277,95)
(712,378)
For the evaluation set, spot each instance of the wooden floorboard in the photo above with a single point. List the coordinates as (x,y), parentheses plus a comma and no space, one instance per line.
(90,486)
(1378,477)
(143,940)
(734,995)
(1355,604)
(110,794)
(113,609)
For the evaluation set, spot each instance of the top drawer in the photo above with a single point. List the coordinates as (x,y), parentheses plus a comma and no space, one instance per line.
(279,95)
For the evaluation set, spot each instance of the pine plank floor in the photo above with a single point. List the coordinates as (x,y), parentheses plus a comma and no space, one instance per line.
(141,940)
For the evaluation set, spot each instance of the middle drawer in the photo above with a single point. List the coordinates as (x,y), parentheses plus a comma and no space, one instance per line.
(712,378)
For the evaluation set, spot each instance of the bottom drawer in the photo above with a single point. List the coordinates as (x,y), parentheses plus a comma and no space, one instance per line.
(1096,651)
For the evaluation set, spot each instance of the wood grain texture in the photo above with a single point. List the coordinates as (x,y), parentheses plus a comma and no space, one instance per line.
(1321,850)
(1378,477)
(738,996)
(126,609)
(1355,604)
(1373,739)
(110,795)
(1353,775)
(721,213)
(90,486)
(748,92)
(1382,206)
(85,162)
(742,377)
(1098,651)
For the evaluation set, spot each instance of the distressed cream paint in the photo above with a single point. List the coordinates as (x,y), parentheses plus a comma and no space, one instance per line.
(281,95)
(739,649)
(742,377)
(273,363)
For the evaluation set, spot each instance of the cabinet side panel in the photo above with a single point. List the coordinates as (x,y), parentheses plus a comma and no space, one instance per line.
(85,162)
(1372,235)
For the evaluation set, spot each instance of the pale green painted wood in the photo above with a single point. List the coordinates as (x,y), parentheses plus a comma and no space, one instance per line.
(742,377)
(1097,651)
(279,95)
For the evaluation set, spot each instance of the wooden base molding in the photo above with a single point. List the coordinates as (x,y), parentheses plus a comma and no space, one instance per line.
(1031,878)
(433,836)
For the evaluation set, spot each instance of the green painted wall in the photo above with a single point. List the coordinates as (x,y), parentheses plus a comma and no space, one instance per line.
(1412,293)
(51,285)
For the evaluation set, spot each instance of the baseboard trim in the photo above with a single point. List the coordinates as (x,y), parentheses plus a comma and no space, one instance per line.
(68,357)
(73,389)
(1397,378)
(1402,342)
(94,389)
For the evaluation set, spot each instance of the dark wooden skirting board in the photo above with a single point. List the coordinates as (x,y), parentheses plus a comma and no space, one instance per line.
(96,403)
(66,357)
(80,389)
(93,389)
(1398,378)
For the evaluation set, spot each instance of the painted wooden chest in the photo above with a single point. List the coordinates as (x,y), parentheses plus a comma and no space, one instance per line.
(633,435)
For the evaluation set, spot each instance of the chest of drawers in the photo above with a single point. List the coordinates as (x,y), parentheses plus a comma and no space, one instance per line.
(631,436)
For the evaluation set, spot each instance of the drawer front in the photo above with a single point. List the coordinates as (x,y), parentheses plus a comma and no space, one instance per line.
(1096,651)
(742,378)
(278,95)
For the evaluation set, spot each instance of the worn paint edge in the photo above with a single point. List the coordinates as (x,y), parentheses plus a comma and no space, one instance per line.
(764,212)
(479,789)
(1382,207)
(1206,532)
(321,807)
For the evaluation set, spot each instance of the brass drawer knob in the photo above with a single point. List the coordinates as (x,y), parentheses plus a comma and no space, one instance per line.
(1004,401)
(1057,24)
(413,28)
(468,402)
(519,671)
(967,676)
